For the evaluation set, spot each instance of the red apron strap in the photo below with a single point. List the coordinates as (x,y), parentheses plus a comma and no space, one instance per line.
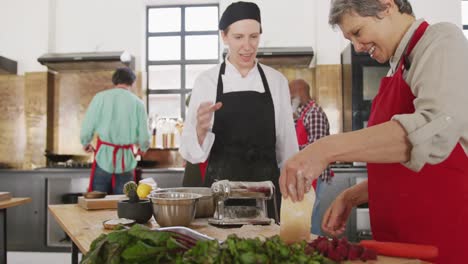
(114,159)
(93,168)
(414,40)
(301,131)
(202,167)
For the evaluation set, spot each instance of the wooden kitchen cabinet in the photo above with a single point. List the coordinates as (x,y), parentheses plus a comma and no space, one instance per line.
(47,186)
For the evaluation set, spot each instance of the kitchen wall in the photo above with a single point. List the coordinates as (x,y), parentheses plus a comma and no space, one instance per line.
(23,104)
(24,32)
(73,91)
(31,28)
(28,125)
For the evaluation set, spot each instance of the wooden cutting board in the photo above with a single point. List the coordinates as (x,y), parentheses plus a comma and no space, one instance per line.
(5,196)
(108,202)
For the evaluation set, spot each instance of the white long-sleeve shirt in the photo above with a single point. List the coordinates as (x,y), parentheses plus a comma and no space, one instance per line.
(204,90)
(438,79)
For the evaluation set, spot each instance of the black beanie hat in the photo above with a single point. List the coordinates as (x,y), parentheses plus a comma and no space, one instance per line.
(239,11)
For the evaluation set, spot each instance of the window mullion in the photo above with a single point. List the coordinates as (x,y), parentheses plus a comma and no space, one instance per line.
(183,62)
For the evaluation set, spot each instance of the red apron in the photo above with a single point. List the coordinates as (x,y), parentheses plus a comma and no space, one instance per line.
(114,161)
(301,132)
(202,167)
(427,207)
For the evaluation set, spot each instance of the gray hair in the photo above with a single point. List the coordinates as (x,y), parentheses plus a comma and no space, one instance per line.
(364,8)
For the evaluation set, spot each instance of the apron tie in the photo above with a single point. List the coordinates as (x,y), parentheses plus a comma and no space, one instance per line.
(114,160)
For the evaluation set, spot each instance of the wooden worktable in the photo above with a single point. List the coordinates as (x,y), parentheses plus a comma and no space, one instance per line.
(4,205)
(84,226)
(14,202)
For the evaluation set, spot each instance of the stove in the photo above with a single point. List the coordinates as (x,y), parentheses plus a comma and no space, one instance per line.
(70,164)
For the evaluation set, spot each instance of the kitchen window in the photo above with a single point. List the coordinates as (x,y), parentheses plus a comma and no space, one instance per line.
(464,8)
(181,42)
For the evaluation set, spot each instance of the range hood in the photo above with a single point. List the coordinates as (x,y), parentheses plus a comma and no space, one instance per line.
(281,56)
(8,66)
(87,61)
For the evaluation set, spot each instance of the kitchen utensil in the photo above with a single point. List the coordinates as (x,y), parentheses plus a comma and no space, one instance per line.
(108,202)
(403,250)
(94,195)
(205,206)
(140,211)
(186,231)
(174,208)
(112,223)
(227,214)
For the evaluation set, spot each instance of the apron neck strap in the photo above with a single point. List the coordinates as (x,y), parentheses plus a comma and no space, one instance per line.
(414,40)
(222,70)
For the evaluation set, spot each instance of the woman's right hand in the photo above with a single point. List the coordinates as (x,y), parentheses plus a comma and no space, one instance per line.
(204,116)
(335,218)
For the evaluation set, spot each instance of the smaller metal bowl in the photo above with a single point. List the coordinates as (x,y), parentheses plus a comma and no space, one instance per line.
(174,208)
(94,195)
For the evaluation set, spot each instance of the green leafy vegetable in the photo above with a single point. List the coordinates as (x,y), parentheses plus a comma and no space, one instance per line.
(143,246)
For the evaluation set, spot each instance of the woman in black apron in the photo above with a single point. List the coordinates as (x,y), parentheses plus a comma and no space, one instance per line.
(245,144)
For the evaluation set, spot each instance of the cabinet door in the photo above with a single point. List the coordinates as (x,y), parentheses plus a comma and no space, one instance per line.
(343,179)
(25,221)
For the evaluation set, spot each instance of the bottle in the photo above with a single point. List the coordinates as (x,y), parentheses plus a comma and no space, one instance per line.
(153,138)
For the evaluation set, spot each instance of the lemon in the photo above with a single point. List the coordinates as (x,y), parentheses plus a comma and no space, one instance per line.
(143,190)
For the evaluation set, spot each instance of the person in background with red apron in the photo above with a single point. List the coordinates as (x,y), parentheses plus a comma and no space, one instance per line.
(239,117)
(119,119)
(311,124)
(417,141)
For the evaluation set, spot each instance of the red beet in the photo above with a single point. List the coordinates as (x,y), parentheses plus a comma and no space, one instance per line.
(368,254)
(342,249)
(354,252)
(333,254)
(343,241)
(335,242)
(323,246)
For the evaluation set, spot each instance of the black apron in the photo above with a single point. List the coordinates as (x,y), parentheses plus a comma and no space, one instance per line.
(192,175)
(245,138)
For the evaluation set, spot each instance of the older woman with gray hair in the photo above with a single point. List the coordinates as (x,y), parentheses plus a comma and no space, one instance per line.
(416,142)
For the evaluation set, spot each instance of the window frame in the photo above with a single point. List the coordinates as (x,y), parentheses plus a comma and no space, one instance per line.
(464,26)
(183,90)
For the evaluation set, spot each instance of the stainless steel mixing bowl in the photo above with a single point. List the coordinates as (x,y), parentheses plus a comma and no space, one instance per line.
(205,206)
(174,208)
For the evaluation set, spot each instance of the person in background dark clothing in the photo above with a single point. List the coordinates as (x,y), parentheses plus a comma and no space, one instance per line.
(311,124)
(239,119)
